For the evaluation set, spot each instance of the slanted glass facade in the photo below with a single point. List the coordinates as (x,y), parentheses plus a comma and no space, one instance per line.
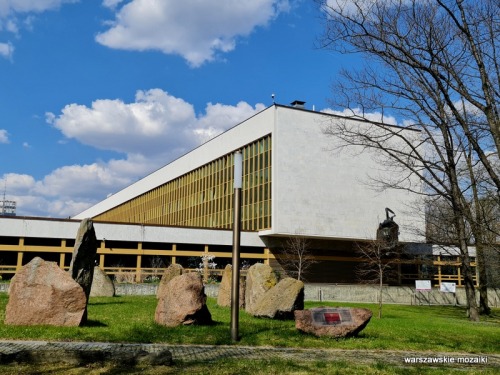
(204,196)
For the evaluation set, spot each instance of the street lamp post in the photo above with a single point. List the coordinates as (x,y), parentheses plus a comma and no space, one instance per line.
(235,284)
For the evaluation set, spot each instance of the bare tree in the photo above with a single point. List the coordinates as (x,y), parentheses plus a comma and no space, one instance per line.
(432,64)
(295,256)
(378,264)
(157,264)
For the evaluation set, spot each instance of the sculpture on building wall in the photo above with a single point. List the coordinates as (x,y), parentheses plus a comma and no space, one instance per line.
(388,230)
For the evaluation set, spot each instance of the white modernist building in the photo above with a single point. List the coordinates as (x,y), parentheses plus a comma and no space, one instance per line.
(297,182)
(294,176)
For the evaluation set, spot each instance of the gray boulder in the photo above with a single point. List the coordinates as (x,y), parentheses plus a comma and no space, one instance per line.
(41,293)
(260,278)
(102,285)
(183,302)
(282,300)
(82,263)
(225,287)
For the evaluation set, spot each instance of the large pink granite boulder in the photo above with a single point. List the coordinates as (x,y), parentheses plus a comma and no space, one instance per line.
(332,321)
(183,302)
(172,271)
(41,293)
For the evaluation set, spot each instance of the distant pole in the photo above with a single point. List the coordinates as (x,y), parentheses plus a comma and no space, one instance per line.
(235,285)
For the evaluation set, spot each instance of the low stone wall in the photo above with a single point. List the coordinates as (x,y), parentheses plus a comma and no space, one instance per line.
(404,295)
(124,289)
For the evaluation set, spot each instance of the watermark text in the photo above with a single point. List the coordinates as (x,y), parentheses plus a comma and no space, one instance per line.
(447,360)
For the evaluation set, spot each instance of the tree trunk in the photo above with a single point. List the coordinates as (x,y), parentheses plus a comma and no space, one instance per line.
(380,293)
(470,290)
(484,308)
(468,275)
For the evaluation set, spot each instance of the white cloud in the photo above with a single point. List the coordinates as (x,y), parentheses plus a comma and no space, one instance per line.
(196,30)
(4,136)
(154,123)
(16,13)
(6,50)
(151,131)
(111,3)
(71,189)
(218,117)
(8,7)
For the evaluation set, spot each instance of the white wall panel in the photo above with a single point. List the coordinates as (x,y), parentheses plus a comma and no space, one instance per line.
(43,228)
(320,191)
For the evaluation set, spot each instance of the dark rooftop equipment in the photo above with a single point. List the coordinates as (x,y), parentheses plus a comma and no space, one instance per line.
(298,104)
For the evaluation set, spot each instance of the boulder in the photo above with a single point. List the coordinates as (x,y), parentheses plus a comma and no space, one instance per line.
(332,322)
(224,296)
(82,263)
(183,301)
(282,300)
(102,285)
(41,293)
(172,271)
(260,278)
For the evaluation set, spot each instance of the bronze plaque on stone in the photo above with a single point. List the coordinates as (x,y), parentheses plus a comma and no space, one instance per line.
(331,316)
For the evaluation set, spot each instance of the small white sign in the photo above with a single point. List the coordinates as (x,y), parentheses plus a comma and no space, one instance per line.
(423,285)
(448,287)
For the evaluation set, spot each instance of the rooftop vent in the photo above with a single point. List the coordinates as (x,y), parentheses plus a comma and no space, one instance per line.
(298,104)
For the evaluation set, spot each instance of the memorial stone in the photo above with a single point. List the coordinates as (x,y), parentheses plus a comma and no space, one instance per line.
(332,322)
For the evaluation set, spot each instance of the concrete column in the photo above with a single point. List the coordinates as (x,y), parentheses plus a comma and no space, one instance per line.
(62,258)
(439,270)
(205,264)
(174,249)
(138,269)
(19,260)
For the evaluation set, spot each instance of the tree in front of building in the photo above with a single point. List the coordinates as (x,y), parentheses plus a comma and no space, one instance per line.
(380,258)
(295,256)
(433,67)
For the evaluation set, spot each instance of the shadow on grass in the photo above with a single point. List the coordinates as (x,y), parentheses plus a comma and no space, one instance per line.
(106,303)
(189,334)
(460,312)
(94,323)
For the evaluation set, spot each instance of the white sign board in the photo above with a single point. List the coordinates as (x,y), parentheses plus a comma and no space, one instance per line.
(448,287)
(423,285)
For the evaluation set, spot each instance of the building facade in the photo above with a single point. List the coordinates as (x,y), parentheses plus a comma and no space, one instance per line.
(297,183)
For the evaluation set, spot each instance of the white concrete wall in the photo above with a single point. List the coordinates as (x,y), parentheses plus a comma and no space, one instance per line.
(325,193)
(251,129)
(43,228)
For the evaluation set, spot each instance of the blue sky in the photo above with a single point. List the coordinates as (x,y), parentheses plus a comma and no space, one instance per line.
(97,94)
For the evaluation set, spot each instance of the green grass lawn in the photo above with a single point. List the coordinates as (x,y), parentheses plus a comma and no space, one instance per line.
(131,319)
(246,367)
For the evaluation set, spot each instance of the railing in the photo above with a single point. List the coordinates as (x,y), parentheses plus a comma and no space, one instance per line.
(7,270)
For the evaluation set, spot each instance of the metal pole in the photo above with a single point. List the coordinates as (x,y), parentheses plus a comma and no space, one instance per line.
(235,282)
